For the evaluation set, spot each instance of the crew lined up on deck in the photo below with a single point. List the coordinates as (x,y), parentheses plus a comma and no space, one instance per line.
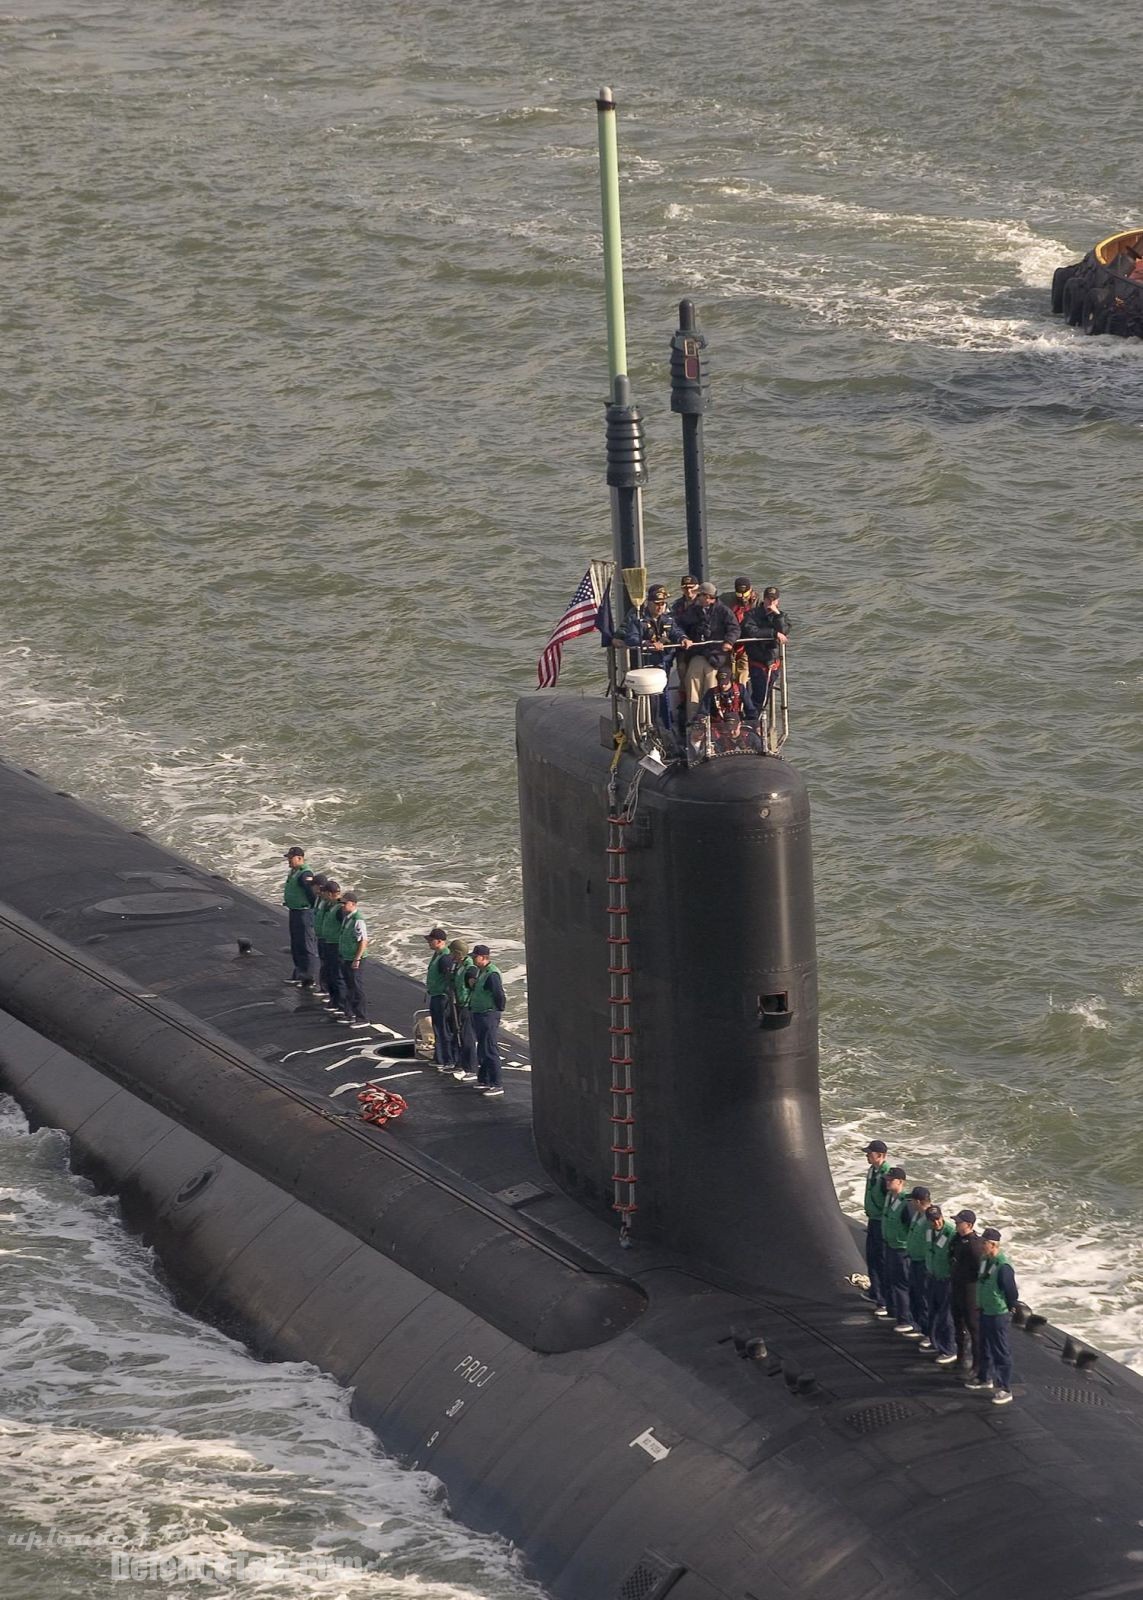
(699,634)
(328,942)
(940,1281)
(466,1001)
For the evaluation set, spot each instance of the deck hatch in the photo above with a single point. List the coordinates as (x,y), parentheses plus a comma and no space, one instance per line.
(650,1578)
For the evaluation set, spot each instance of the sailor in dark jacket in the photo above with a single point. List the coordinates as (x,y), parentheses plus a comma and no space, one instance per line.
(652,629)
(875,1153)
(770,626)
(486,1003)
(965,1253)
(298,897)
(916,1248)
(438,984)
(895,1230)
(711,628)
(997,1298)
(687,595)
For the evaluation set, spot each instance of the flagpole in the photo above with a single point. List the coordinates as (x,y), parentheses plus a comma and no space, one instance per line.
(626,449)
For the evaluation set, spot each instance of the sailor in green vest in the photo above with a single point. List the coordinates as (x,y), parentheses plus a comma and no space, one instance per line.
(317,887)
(438,982)
(942,1335)
(298,898)
(916,1246)
(486,1003)
(327,927)
(875,1152)
(996,1296)
(352,940)
(460,1015)
(895,1230)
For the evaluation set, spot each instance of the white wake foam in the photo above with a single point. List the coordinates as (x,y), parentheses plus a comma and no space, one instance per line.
(126,1425)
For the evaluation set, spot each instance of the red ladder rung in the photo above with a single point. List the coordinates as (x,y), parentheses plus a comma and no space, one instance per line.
(623,1149)
(619,880)
(621,972)
(617,1088)
(621,1177)
(623,1122)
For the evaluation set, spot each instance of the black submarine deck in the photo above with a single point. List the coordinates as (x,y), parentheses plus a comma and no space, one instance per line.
(837,1400)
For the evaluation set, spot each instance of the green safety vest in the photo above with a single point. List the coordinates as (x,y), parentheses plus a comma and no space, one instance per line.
(894,1222)
(326,925)
(436,982)
(459,987)
(480,997)
(874,1194)
(937,1254)
(988,1294)
(917,1243)
(294,894)
(347,941)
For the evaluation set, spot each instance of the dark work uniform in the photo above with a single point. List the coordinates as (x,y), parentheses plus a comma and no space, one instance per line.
(996,1295)
(895,1230)
(731,701)
(348,945)
(966,1254)
(438,983)
(485,1003)
(765,653)
(874,1246)
(327,926)
(298,898)
(642,628)
(708,624)
(710,627)
(916,1248)
(939,1265)
(463,1031)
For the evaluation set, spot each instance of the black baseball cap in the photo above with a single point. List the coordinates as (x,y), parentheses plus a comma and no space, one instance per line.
(332,886)
(896,1172)
(920,1192)
(320,880)
(876,1144)
(934,1212)
(436,933)
(965,1216)
(991,1233)
(741,585)
(294,850)
(481,950)
(657,591)
(350,894)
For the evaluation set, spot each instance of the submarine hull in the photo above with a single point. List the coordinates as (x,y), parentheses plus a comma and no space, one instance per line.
(588,1402)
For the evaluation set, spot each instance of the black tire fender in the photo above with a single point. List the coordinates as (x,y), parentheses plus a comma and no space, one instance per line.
(1060,280)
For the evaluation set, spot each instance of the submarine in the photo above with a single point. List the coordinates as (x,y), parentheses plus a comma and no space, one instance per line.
(614,1312)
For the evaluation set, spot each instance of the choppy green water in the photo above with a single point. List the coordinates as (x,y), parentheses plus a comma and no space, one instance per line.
(304,362)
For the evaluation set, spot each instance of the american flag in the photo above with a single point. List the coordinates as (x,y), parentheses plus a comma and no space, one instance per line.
(578,619)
